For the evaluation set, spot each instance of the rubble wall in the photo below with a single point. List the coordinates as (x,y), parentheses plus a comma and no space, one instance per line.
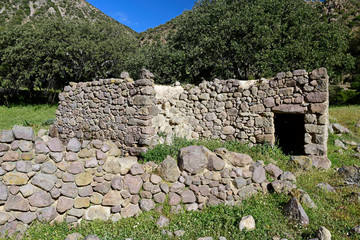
(43,179)
(140,114)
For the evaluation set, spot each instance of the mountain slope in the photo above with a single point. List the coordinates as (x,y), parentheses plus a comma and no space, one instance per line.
(23,11)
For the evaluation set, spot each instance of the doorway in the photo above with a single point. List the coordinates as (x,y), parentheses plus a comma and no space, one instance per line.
(290,133)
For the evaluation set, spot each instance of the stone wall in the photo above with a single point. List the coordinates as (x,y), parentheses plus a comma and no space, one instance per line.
(138,114)
(42,179)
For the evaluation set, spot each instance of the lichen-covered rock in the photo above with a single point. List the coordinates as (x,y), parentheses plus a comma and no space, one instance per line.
(15,178)
(83,179)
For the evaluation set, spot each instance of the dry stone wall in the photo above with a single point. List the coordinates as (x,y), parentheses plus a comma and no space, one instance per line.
(140,114)
(43,179)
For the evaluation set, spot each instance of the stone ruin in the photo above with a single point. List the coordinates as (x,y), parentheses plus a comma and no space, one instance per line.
(290,110)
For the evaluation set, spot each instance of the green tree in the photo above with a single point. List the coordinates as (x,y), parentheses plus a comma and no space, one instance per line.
(249,38)
(50,54)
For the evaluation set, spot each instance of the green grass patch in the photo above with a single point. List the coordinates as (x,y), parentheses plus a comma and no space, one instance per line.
(35,116)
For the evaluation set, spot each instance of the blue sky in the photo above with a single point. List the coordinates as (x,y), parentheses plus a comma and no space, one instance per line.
(142,14)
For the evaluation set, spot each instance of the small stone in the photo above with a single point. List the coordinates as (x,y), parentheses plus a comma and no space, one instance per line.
(162,221)
(41,147)
(130,211)
(155,179)
(193,159)
(295,211)
(325,187)
(132,183)
(174,199)
(48,168)
(73,145)
(288,176)
(81,203)
(136,169)
(112,198)
(247,223)
(188,196)
(159,197)
(74,236)
(83,179)
(69,190)
(273,170)
(323,234)
(240,182)
(25,146)
(147,205)
(26,190)
(44,181)
(7,136)
(258,174)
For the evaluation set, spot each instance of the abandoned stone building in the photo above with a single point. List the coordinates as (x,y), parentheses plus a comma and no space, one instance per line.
(290,110)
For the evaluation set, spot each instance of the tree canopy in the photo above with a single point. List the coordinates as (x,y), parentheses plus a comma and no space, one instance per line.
(248,39)
(49,54)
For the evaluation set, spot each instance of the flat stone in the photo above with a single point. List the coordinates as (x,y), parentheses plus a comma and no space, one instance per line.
(41,147)
(74,236)
(15,178)
(132,183)
(17,203)
(258,175)
(136,169)
(71,157)
(147,205)
(73,145)
(155,179)
(56,157)
(55,145)
(162,221)
(75,168)
(41,199)
(100,155)
(82,202)
(338,129)
(4,148)
(86,153)
(126,163)
(48,168)
(273,170)
(130,211)
(26,217)
(7,136)
(4,191)
(69,190)
(4,218)
(247,223)
(102,188)
(23,133)
(46,214)
(25,146)
(112,166)
(112,198)
(11,156)
(86,191)
(168,170)
(240,182)
(160,197)
(215,163)
(27,190)
(316,97)
(64,204)
(235,159)
(228,130)
(289,108)
(318,108)
(76,212)
(97,212)
(117,183)
(174,199)
(23,166)
(83,179)
(44,181)
(188,196)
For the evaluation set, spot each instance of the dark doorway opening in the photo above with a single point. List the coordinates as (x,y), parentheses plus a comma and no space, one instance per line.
(290,133)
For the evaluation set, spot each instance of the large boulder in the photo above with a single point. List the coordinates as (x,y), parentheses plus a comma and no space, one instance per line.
(168,170)
(194,159)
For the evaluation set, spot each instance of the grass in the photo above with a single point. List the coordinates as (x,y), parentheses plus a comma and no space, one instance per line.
(36,116)
(338,212)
